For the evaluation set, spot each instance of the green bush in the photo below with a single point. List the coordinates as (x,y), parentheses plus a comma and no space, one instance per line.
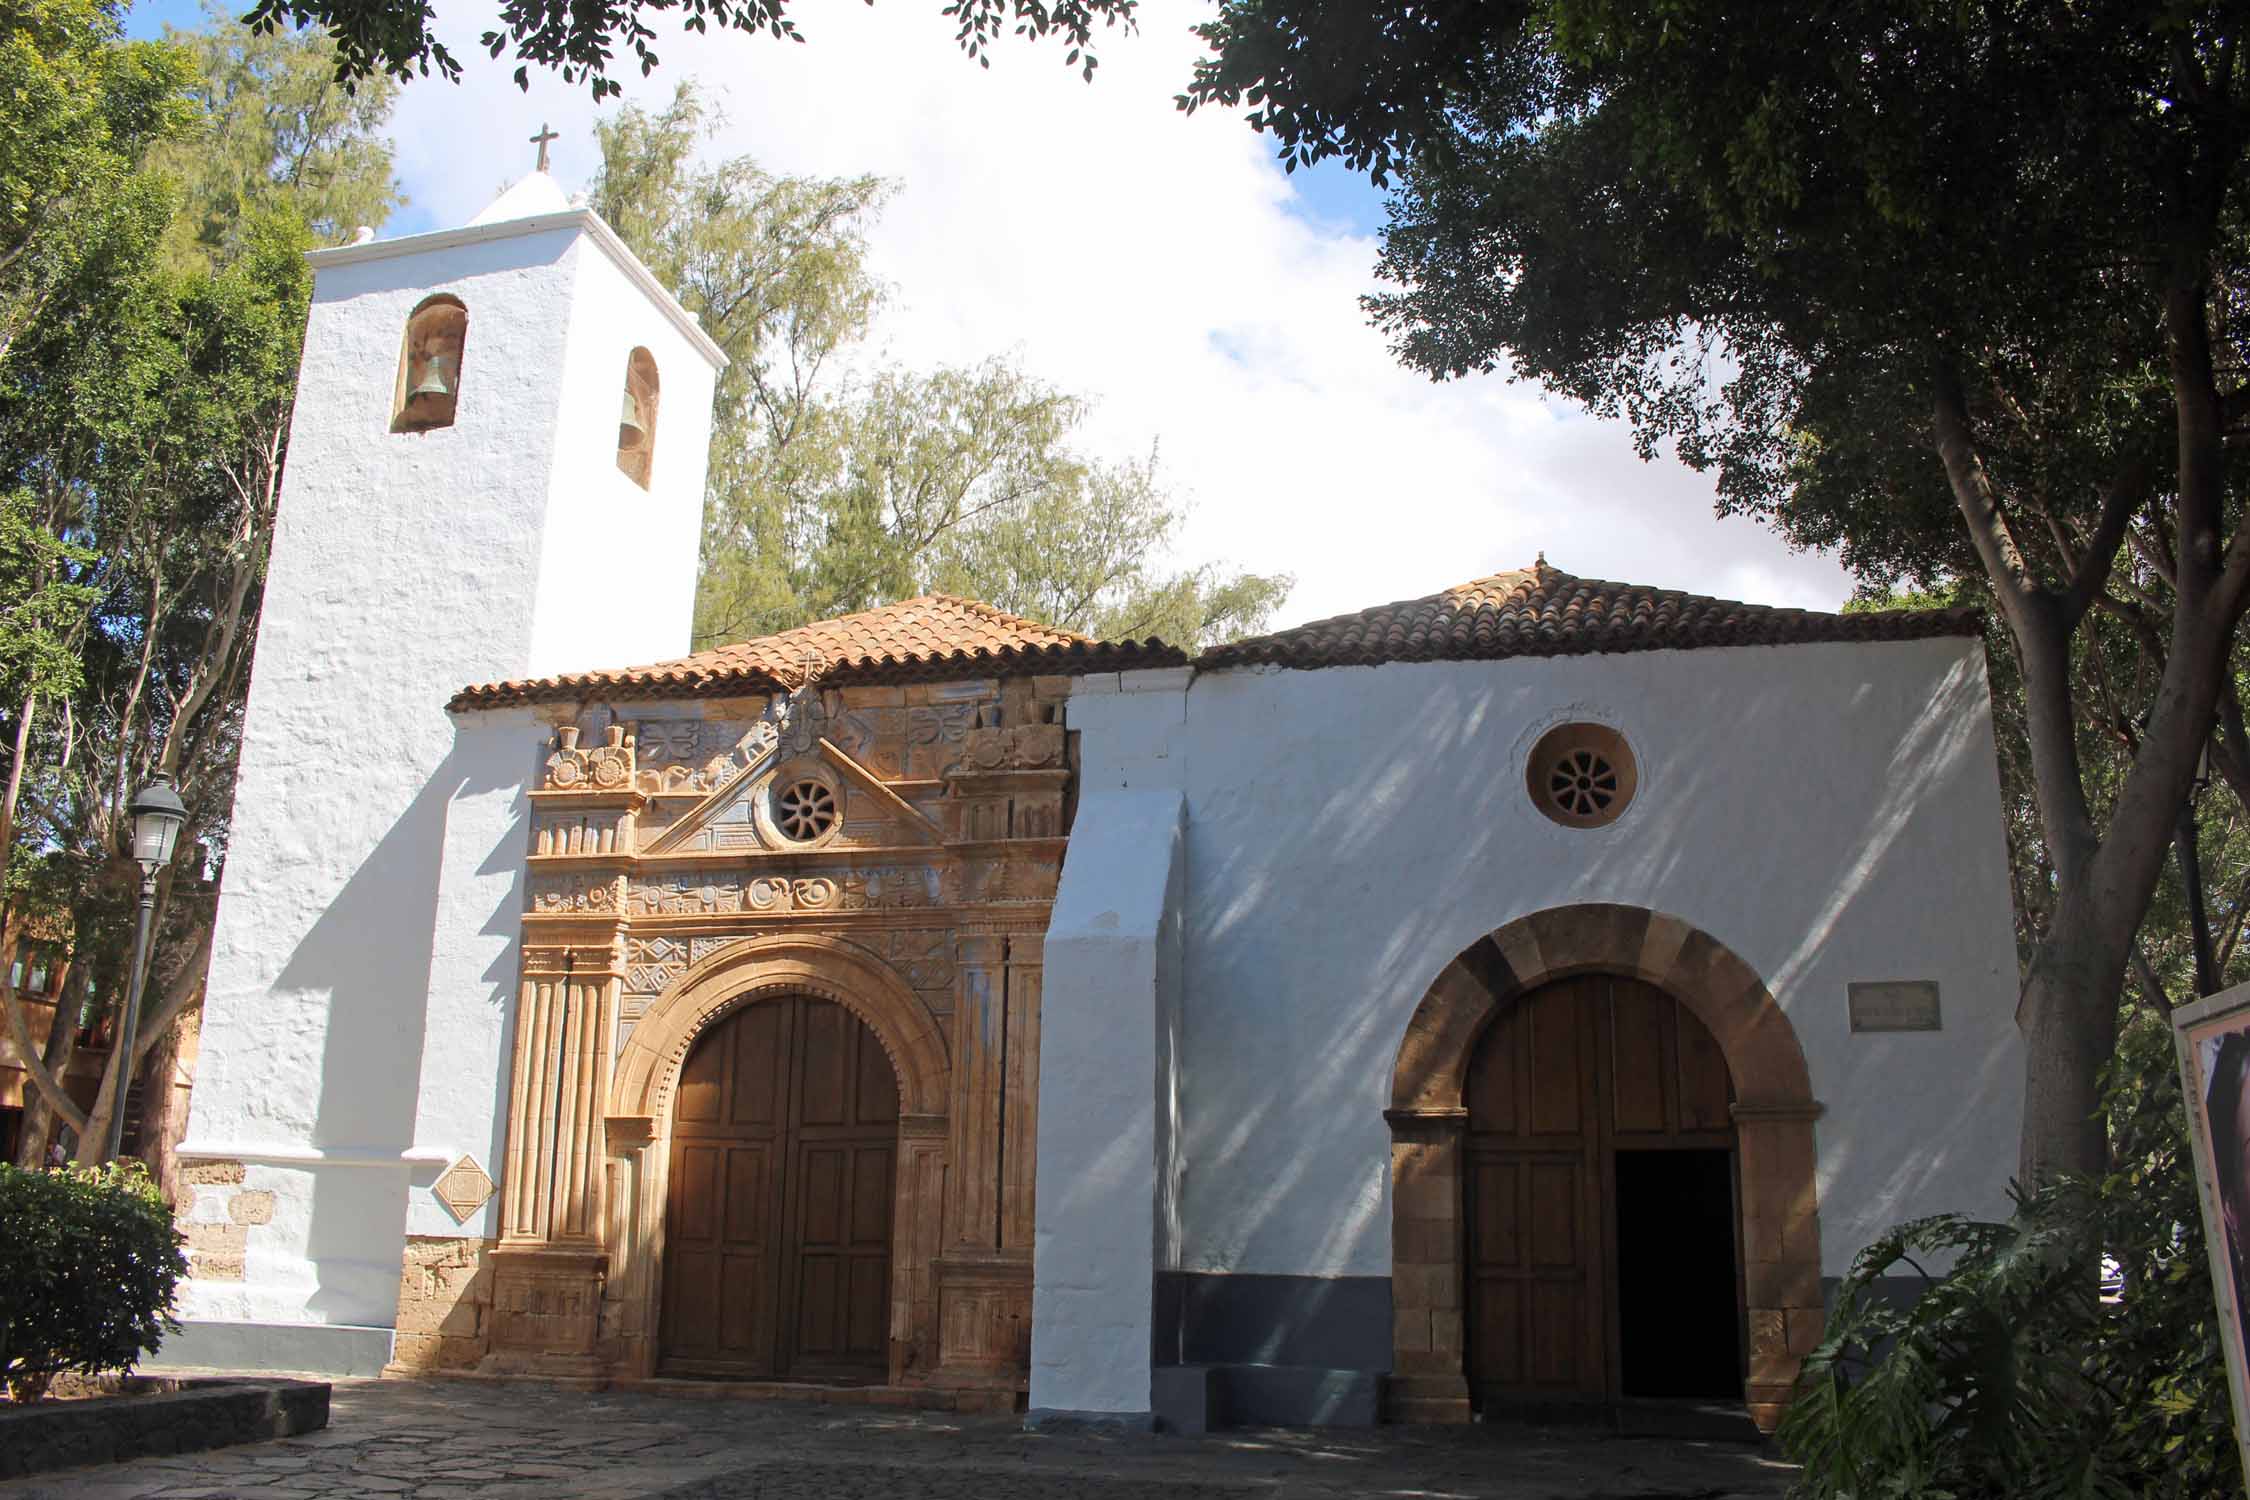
(88,1263)
(2013,1374)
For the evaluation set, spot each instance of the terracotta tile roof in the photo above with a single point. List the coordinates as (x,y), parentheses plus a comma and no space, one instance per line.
(931,639)
(1543,611)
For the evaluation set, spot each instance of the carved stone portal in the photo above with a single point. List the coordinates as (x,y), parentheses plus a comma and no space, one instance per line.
(671,881)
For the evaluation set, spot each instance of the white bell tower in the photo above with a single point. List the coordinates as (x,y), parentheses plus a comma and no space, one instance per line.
(495,471)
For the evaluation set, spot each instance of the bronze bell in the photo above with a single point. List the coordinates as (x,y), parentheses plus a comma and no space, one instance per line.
(632,432)
(433,380)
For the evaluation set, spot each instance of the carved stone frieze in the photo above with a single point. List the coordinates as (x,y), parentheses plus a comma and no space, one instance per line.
(700,892)
(572,893)
(1020,747)
(606,768)
(698,755)
(923,956)
(1008,880)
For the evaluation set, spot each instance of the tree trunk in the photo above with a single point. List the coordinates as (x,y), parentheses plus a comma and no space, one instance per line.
(60,1047)
(2068,1017)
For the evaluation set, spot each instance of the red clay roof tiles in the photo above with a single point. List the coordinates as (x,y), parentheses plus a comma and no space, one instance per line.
(1534,611)
(1543,611)
(929,639)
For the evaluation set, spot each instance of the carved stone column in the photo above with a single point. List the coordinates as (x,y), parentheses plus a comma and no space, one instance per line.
(984,1283)
(550,1264)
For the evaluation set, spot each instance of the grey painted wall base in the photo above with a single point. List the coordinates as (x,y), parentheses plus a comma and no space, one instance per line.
(1051,1419)
(1208,1398)
(303,1348)
(1330,1322)
(1901,1292)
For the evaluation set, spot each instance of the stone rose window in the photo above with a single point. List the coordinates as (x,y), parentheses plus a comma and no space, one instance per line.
(804,809)
(1581,775)
(429,366)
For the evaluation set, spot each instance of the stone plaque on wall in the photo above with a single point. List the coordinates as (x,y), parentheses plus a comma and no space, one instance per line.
(1895,1005)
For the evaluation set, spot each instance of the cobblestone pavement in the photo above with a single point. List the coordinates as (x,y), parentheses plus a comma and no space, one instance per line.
(446,1440)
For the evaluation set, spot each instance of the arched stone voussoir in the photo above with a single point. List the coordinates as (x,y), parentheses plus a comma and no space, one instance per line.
(830,968)
(1588,938)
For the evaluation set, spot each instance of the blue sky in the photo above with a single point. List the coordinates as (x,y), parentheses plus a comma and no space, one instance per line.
(1162,266)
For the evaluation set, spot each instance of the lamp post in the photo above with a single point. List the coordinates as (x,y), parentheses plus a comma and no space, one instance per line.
(158,813)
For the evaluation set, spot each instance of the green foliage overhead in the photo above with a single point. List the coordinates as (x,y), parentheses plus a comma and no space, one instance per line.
(1956,289)
(78,108)
(580,38)
(274,134)
(836,487)
(144,411)
(87,1270)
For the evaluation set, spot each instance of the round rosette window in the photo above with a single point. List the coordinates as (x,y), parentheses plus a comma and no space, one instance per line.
(804,809)
(1581,775)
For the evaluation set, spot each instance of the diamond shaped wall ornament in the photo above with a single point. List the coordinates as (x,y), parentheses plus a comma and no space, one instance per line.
(463,1188)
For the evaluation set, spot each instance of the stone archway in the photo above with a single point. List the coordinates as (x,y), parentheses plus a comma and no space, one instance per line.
(1774,1114)
(639,1121)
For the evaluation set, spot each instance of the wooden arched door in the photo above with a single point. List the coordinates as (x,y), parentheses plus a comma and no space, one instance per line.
(1601,1202)
(777,1223)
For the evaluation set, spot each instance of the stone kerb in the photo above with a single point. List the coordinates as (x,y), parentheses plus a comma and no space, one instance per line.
(178,1416)
(1774,1114)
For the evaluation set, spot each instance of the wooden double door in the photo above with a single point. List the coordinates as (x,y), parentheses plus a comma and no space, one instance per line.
(1601,1201)
(778,1216)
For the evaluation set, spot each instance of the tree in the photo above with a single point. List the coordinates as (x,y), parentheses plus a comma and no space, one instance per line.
(78,108)
(392,37)
(143,417)
(830,492)
(274,133)
(1956,288)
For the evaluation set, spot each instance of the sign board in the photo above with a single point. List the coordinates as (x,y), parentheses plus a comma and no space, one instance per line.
(2213,1037)
(1895,1005)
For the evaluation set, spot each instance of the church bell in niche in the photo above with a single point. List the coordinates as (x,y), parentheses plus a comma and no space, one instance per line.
(430,366)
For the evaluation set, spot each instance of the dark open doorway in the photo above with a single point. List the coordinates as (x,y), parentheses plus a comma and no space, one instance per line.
(1679,1327)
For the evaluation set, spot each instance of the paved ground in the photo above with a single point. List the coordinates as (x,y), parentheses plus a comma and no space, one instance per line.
(443,1440)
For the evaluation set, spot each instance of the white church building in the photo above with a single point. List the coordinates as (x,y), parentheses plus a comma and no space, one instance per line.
(1536,992)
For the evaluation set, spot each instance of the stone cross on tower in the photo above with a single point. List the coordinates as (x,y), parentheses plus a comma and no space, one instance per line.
(540,140)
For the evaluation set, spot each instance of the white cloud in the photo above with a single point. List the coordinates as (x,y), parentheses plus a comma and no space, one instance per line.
(1158,264)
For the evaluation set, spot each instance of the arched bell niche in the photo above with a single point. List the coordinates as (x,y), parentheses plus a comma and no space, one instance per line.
(429,365)
(636,418)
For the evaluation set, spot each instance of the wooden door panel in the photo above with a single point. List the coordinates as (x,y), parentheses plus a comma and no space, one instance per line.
(1558,1238)
(1557,1336)
(691,1295)
(1706,1094)
(1561,1081)
(1643,1091)
(700,1096)
(1564,1078)
(1500,1332)
(747,1202)
(777,1259)
(872,1190)
(694,1217)
(869,1302)
(757,1095)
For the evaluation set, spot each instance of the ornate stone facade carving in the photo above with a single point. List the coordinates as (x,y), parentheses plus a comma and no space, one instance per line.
(658,900)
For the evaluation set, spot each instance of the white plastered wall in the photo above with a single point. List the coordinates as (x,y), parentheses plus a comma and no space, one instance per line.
(349,995)
(1829,812)
(1108,1023)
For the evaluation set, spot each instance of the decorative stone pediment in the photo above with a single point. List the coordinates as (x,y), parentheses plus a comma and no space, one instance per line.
(791,800)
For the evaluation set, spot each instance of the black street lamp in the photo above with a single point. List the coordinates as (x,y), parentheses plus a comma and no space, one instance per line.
(158,813)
